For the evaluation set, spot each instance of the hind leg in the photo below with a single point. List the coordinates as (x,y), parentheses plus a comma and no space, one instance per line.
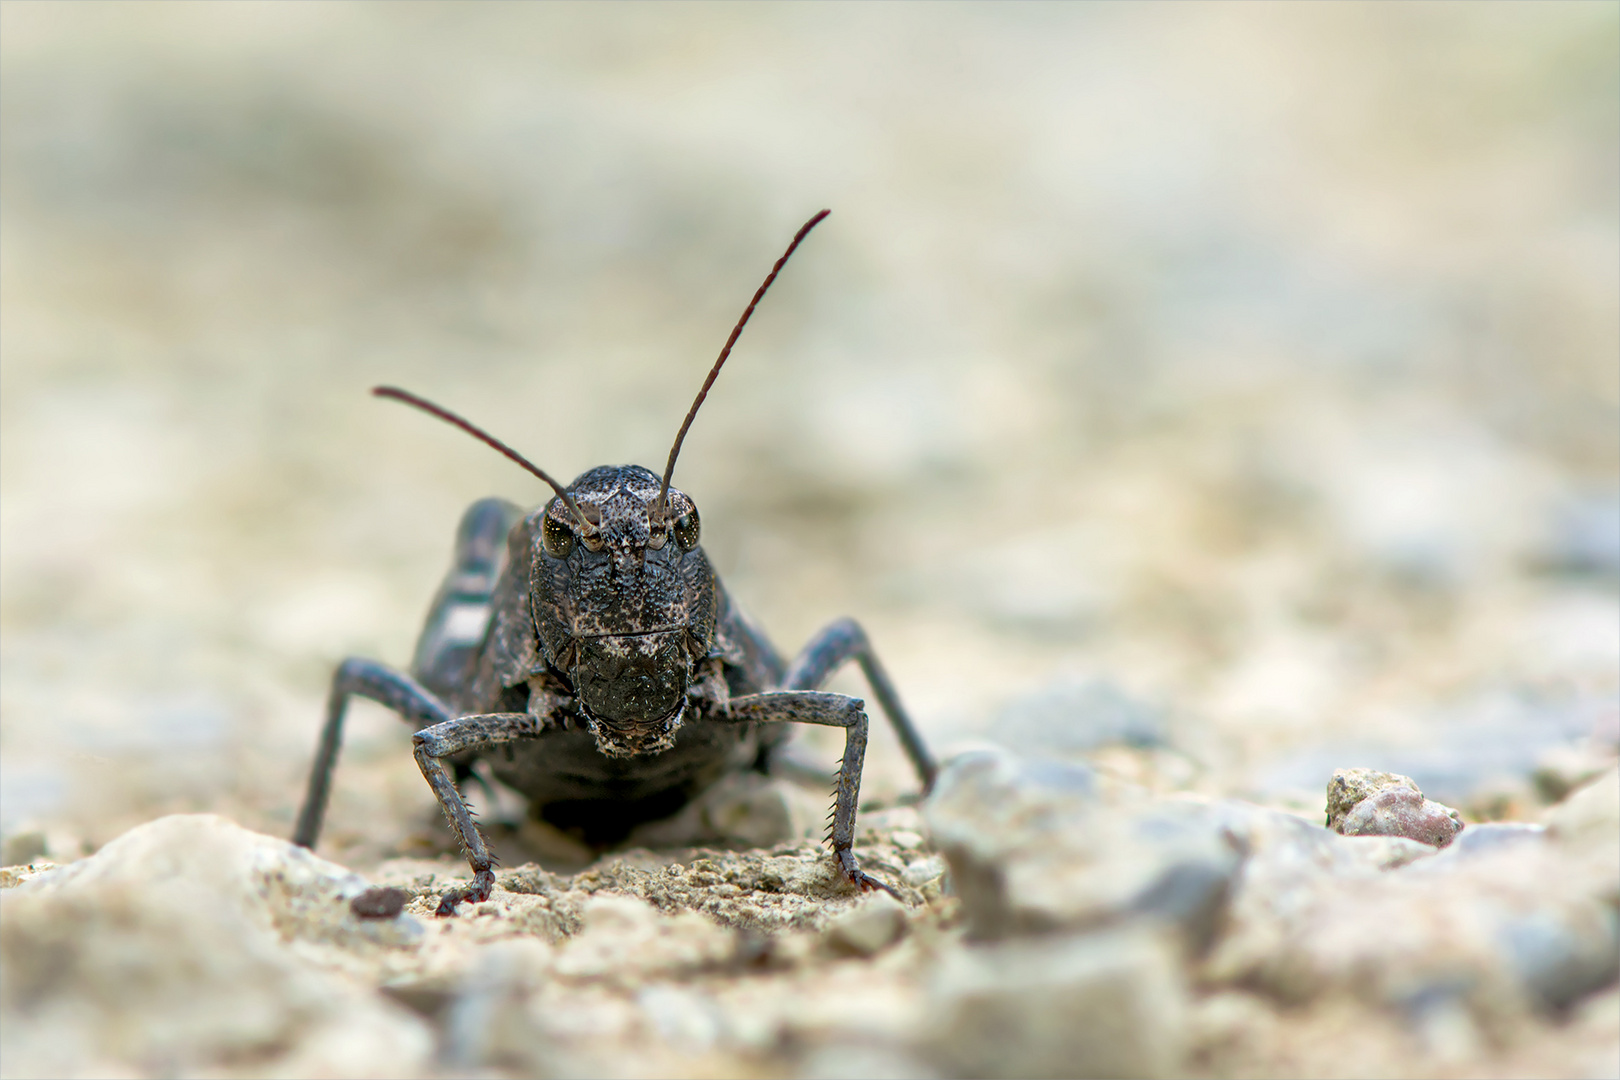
(455,626)
(829,650)
(355,677)
(460,613)
(461,609)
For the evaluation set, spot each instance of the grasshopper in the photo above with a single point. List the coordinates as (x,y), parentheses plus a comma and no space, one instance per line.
(599,666)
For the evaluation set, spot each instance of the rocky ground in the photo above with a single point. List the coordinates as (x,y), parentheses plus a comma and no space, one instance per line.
(1051,922)
(1195,404)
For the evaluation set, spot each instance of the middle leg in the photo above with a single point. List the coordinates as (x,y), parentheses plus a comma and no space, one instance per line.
(356,677)
(832,710)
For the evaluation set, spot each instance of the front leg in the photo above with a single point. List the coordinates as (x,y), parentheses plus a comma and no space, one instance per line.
(432,745)
(839,643)
(832,710)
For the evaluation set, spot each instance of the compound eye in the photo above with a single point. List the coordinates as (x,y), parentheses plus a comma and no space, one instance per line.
(687,530)
(556,538)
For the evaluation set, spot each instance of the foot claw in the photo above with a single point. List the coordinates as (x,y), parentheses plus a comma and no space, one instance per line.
(867,883)
(860,878)
(483,885)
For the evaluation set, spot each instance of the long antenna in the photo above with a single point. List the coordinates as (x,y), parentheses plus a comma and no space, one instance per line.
(736,331)
(483,436)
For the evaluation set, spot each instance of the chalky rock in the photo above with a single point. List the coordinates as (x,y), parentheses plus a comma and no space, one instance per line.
(868,928)
(625,938)
(487,1022)
(990,809)
(1032,848)
(1398,812)
(184,947)
(1349,787)
(1588,820)
(1488,932)
(924,871)
(1365,802)
(1110,1004)
(1560,956)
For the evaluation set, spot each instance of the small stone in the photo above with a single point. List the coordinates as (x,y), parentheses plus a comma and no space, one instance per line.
(625,937)
(486,1022)
(1364,802)
(686,1019)
(905,839)
(379,902)
(1396,811)
(1559,957)
(1350,786)
(529,879)
(869,928)
(924,870)
(1587,827)
(1590,815)
(1031,849)
(1106,1004)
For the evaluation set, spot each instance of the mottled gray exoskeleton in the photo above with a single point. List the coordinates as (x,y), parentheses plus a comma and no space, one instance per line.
(596,662)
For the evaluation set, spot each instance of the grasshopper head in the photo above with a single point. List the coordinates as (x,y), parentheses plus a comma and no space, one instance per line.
(626,608)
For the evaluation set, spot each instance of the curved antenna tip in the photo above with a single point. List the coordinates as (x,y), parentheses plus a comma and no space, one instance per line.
(439,411)
(736,332)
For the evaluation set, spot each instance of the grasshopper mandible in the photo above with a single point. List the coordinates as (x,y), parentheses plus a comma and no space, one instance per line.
(598,650)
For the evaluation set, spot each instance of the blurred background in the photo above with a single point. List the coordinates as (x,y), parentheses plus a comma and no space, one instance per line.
(1227,392)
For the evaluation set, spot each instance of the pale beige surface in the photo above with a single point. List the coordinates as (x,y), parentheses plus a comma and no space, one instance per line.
(1241,355)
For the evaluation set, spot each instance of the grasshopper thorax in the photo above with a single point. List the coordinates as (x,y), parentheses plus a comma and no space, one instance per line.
(623,604)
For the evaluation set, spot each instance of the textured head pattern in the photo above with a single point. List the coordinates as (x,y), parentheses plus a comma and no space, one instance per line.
(623,611)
